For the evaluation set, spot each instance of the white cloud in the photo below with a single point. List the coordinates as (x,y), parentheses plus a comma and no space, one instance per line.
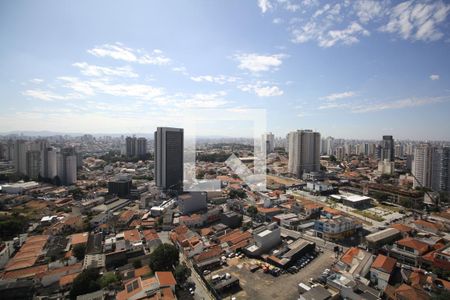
(43,95)
(321,27)
(220,79)
(417,20)
(434,77)
(262,89)
(264,5)
(346,36)
(181,70)
(277,21)
(198,100)
(398,104)
(37,80)
(258,63)
(46,95)
(97,71)
(367,10)
(337,96)
(120,52)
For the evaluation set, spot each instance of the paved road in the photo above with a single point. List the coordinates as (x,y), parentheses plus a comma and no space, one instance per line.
(201,292)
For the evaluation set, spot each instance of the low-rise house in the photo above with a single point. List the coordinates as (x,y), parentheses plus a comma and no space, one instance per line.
(51,276)
(337,228)
(409,250)
(428,226)
(381,270)
(356,262)
(266,238)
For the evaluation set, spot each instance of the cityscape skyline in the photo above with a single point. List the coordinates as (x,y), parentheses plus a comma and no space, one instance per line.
(350,70)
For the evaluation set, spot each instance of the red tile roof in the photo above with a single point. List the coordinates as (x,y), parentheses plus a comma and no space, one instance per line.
(414,244)
(384,263)
(349,255)
(165,279)
(132,235)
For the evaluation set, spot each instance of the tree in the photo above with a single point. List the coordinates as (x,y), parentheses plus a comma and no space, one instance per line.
(79,251)
(252,211)
(164,258)
(137,264)
(86,282)
(57,180)
(333,158)
(237,193)
(107,279)
(182,273)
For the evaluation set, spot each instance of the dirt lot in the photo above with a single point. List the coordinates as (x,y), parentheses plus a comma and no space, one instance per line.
(281,180)
(260,285)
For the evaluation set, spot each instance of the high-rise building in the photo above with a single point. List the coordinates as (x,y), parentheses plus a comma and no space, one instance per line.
(20,157)
(33,164)
(67,166)
(169,143)
(49,163)
(398,150)
(422,166)
(304,152)
(440,163)
(330,145)
(340,153)
(269,139)
(387,148)
(130,146)
(141,147)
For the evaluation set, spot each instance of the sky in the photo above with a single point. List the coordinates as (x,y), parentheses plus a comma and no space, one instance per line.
(348,69)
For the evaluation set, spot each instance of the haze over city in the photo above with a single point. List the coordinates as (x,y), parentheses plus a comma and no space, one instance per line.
(350,70)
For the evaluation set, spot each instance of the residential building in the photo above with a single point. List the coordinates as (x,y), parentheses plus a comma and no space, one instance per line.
(141,147)
(67,166)
(192,202)
(381,270)
(20,156)
(336,228)
(304,152)
(269,140)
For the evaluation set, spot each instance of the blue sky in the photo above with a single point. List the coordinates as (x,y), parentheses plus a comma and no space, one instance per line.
(351,69)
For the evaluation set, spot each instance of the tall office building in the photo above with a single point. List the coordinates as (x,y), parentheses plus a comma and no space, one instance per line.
(20,156)
(304,152)
(169,143)
(387,148)
(130,146)
(67,166)
(141,147)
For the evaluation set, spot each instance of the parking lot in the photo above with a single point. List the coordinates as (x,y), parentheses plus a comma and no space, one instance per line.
(259,285)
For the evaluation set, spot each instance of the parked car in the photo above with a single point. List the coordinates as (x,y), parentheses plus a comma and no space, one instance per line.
(206,272)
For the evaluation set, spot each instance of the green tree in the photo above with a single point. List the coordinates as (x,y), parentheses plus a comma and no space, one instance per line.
(107,279)
(164,258)
(252,211)
(86,282)
(182,273)
(79,251)
(137,264)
